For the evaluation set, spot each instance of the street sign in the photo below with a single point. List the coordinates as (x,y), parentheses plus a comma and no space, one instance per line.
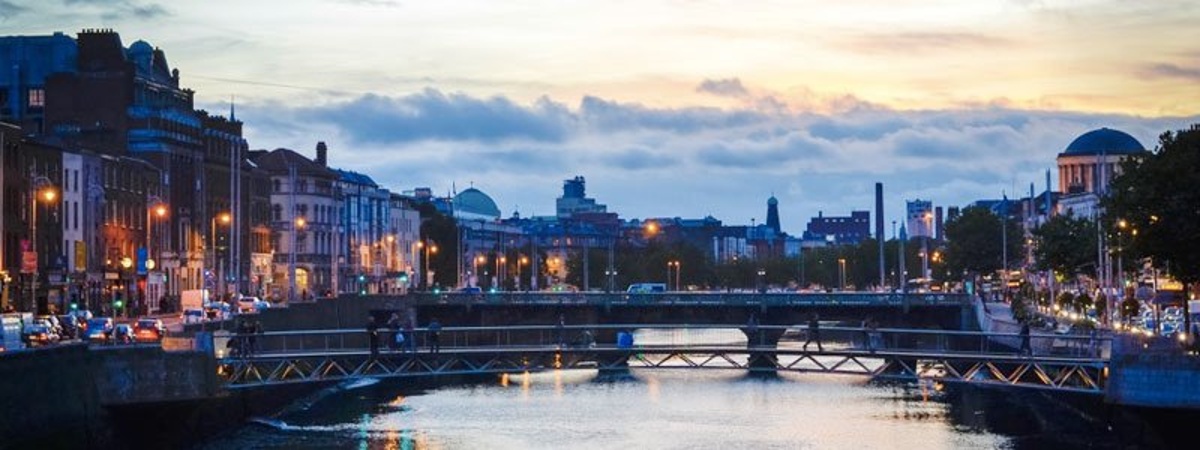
(80,256)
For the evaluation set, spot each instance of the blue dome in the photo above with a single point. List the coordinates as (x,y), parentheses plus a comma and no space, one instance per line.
(475,202)
(1104,140)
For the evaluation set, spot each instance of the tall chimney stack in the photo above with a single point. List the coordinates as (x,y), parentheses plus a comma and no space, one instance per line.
(322,153)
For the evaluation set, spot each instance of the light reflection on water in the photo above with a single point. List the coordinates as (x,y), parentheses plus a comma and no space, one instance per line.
(658,409)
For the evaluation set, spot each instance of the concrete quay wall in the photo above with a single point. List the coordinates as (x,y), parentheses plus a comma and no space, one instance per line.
(1153,377)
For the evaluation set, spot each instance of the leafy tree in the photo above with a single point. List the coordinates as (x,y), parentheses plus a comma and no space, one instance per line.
(974,242)
(440,230)
(1158,195)
(1065,245)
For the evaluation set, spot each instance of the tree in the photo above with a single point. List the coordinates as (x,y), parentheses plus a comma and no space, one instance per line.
(442,231)
(1065,245)
(1157,195)
(973,242)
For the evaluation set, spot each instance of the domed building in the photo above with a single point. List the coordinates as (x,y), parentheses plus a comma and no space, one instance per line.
(1088,165)
(1093,159)
(473,204)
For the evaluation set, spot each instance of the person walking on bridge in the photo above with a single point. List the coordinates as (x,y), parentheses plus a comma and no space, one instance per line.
(435,336)
(373,336)
(1026,349)
(814,332)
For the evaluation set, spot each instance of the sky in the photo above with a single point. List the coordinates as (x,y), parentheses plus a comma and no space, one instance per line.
(681,108)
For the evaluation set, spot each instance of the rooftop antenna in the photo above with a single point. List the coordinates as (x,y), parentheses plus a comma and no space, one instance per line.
(232,115)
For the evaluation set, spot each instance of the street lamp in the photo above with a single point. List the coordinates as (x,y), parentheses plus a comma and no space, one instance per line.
(479,260)
(520,262)
(223,218)
(501,262)
(44,190)
(428,248)
(841,274)
(926,219)
(675,264)
(297,224)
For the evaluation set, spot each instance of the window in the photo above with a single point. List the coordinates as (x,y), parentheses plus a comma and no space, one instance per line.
(76,214)
(276,183)
(278,210)
(37,98)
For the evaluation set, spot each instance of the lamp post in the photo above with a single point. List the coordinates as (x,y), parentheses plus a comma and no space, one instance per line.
(154,208)
(520,262)
(298,224)
(43,189)
(479,261)
(224,219)
(841,274)
(926,219)
(501,262)
(675,264)
(427,248)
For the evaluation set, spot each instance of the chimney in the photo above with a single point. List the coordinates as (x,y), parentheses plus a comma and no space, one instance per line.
(322,152)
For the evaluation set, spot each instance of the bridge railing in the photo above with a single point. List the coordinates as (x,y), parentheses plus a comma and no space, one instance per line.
(650,336)
(695,298)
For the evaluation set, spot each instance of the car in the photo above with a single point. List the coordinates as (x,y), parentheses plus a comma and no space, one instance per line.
(122,334)
(38,334)
(99,329)
(149,330)
(471,290)
(193,315)
(70,327)
(251,305)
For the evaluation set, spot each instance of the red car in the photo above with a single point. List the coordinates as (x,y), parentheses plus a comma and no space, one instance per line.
(148,330)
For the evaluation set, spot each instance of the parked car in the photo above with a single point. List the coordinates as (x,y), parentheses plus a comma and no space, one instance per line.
(149,330)
(70,327)
(99,329)
(122,334)
(252,305)
(38,334)
(193,315)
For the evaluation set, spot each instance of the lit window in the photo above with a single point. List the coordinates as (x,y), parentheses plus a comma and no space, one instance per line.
(37,98)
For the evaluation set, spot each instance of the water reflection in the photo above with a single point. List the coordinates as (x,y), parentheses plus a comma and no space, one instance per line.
(654,409)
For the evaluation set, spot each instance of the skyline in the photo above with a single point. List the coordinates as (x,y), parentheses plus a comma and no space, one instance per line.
(676,108)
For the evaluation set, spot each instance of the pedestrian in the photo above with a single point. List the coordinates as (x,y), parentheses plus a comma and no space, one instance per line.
(373,335)
(752,330)
(410,336)
(393,324)
(435,339)
(814,332)
(561,330)
(1026,349)
(873,336)
(255,330)
(865,326)
(624,339)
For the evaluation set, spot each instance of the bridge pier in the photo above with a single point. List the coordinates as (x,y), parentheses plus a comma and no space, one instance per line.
(762,345)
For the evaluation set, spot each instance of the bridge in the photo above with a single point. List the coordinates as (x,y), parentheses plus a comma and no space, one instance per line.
(1079,364)
(934,310)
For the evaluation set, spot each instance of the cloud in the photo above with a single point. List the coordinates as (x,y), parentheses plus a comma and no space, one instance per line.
(119,9)
(148,11)
(433,115)
(922,42)
(727,87)
(9,9)
(1167,70)
(652,161)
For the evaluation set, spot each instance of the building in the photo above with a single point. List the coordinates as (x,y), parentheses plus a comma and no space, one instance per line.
(306,211)
(838,230)
(574,200)
(1088,165)
(919,218)
(28,61)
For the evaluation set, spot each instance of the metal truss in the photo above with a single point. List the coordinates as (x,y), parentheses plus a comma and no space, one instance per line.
(1083,375)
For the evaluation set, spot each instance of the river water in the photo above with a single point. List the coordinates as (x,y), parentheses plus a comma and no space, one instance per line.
(670,409)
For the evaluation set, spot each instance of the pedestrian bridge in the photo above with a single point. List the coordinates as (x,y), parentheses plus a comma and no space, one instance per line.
(1078,364)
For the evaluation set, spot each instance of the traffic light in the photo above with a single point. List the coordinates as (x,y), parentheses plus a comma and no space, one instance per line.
(362,278)
(118,304)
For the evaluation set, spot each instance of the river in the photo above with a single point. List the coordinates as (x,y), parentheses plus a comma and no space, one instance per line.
(670,409)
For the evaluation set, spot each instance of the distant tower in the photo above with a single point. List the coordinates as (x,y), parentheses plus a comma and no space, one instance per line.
(879,230)
(773,214)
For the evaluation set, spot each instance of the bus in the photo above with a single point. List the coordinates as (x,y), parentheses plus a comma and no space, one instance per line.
(647,288)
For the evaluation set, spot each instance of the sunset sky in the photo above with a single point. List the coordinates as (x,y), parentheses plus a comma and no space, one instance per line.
(675,108)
